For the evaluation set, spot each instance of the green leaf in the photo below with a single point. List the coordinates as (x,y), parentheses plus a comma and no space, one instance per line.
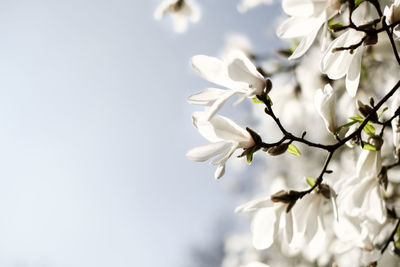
(346,125)
(292,149)
(383,111)
(398,237)
(310,181)
(368,146)
(295,44)
(369,129)
(357,118)
(335,26)
(249,157)
(256,100)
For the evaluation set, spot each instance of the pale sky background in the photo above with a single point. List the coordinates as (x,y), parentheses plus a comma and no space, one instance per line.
(94,127)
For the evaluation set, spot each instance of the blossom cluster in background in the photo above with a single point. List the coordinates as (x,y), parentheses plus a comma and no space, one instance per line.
(328,131)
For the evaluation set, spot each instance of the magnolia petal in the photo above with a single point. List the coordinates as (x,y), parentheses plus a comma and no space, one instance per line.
(180,22)
(306,218)
(264,227)
(325,35)
(307,40)
(298,7)
(220,128)
(216,106)
(325,101)
(369,163)
(194,11)
(241,69)
(225,154)
(205,152)
(212,98)
(255,204)
(376,207)
(356,197)
(220,171)
(207,96)
(353,74)
(162,9)
(288,230)
(212,69)
(294,27)
(336,64)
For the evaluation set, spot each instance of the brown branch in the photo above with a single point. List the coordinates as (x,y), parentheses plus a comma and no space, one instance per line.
(391,237)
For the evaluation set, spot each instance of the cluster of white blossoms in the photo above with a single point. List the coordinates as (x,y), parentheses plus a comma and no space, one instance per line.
(328,123)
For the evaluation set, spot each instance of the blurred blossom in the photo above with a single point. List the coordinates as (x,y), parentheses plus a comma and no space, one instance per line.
(181,11)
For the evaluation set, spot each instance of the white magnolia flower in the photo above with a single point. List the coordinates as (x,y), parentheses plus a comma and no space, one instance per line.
(361,196)
(236,41)
(270,220)
(225,135)
(344,63)
(325,101)
(295,228)
(308,218)
(237,73)
(245,5)
(306,19)
(180,10)
(392,15)
(357,241)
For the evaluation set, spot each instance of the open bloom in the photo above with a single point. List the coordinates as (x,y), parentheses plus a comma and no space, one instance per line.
(392,15)
(296,227)
(248,4)
(306,19)
(180,10)
(236,72)
(269,220)
(337,64)
(308,218)
(225,135)
(325,101)
(362,197)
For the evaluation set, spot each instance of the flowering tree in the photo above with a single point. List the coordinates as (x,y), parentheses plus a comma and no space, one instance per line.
(330,195)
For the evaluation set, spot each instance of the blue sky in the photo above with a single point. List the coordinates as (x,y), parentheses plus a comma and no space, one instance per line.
(94,129)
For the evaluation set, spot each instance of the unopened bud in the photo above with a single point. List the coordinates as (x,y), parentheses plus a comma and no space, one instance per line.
(376,141)
(277,150)
(286,196)
(371,39)
(366,110)
(325,190)
(268,86)
(256,137)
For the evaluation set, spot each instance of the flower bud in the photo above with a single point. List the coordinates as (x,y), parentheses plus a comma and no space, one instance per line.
(365,110)
(285,196)
(279,149)
(376,141)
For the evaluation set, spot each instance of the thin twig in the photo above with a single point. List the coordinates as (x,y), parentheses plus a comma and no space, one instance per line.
(391,237)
